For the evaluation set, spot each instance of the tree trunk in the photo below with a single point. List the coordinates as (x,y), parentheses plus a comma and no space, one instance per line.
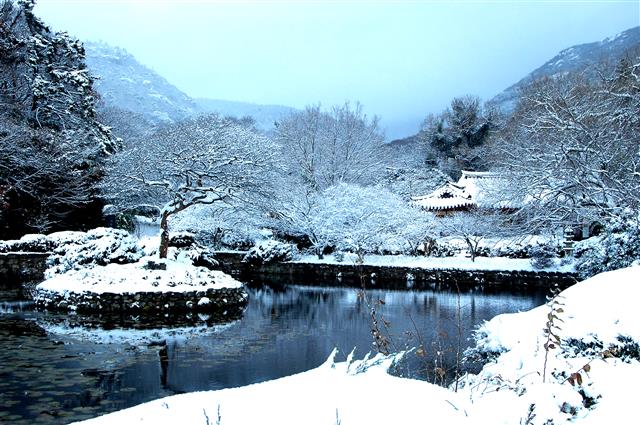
(164,234)
(473,248)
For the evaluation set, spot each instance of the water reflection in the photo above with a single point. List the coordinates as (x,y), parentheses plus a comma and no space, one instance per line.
(51,375)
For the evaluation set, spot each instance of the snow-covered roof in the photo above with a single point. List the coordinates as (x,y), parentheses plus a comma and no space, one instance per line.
(450,196)
(474,189)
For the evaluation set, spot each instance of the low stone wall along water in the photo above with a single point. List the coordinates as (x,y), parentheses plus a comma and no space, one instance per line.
(394,277)
(20,267)
(209,301)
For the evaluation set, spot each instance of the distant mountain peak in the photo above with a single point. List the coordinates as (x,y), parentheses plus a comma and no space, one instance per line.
(572,59)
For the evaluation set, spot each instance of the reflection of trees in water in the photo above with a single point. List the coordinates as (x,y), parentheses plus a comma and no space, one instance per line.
(282,332)
(414,317)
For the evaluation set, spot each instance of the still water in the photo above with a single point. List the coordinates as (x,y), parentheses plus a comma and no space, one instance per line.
(54,371)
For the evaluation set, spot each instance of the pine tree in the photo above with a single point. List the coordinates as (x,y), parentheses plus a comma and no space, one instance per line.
(51,144)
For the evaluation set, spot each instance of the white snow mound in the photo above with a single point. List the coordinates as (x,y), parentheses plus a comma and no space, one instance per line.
(133,278)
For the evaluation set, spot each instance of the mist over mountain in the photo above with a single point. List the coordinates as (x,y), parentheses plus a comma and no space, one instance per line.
(264,115)
(126,84)
(580,58)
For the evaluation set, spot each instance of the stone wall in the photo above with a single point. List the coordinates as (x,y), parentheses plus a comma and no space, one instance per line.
(20,267)
(391,277)
(222,301)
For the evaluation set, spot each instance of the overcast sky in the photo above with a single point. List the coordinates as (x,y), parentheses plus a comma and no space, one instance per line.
(400,59)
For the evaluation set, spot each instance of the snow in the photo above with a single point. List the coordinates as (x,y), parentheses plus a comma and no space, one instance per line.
(332,393)
(459,262)
(598,311)
(612,294)
(508,390)
(132,278)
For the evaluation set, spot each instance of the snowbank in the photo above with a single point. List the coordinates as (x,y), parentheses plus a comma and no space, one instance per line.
(599,339)
(357,392)
(599,332)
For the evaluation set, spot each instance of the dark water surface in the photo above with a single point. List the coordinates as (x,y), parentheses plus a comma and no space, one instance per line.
(52,371)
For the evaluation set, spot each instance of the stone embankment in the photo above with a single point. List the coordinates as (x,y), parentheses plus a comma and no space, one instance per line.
(209,301)
(395,277)
(20,267)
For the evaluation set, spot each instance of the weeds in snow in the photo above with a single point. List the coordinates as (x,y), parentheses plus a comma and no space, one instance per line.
(218,417)
(551,328)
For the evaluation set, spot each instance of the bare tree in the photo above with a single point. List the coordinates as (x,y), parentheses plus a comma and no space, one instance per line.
(327,148)
(573,147)
(202,161)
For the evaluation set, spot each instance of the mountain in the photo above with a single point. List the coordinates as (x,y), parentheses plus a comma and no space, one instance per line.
(126,84)
(578,58)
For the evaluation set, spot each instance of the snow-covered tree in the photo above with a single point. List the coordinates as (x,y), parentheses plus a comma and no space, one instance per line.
(357,219)
(573,146)
(124,124)
(366,220)
(223,224)
(206,160)
(296,215)
(472,227)
(51,143)
(455,138)
(326,148)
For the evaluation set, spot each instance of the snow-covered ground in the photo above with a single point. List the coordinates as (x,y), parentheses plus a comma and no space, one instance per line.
(599,331)
(137,277)
(348,393)
(599,341)
(456,262)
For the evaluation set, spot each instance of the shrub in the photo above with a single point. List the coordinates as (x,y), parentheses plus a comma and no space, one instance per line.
(616,249)
(270,251)
(542,256)
(99,246)
(28,243)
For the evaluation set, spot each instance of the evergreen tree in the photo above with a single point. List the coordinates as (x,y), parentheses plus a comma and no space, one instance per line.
(51,144)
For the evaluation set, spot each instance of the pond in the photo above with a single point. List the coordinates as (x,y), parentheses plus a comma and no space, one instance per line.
(54,371)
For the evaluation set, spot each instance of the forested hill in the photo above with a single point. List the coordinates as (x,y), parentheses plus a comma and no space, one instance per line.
(583,57)
(126,84)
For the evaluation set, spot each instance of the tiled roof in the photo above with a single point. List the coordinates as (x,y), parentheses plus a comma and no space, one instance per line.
(473,189)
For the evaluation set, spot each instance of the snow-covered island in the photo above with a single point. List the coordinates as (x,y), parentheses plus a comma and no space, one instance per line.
(147,286)
(109,271)
(526,379)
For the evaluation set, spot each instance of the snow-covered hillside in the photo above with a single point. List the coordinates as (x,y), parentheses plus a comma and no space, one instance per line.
(578,58)
(127,84)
